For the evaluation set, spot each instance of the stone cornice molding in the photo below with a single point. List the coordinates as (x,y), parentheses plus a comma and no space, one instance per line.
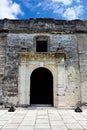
(43,25)
(41,55)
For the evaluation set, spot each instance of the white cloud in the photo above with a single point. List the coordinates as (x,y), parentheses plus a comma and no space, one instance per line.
(65,2)
(67,9)
(73,12)
(10,10)
(39,4)
(78,1)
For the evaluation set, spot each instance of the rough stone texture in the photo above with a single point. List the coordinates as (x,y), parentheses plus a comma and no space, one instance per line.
(16,35)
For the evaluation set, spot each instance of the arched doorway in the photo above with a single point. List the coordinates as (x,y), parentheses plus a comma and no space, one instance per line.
(41,88)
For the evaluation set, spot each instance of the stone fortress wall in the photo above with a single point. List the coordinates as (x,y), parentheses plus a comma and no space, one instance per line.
(16,35)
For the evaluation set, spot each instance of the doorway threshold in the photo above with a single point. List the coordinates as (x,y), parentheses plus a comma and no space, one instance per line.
(41,105)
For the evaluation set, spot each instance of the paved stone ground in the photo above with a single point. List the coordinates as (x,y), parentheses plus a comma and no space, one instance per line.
(43,119)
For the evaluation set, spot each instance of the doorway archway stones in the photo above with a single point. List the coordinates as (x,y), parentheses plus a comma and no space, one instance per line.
(54,62)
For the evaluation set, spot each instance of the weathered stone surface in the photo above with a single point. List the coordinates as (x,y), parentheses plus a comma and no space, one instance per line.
(43,25)
(70,73)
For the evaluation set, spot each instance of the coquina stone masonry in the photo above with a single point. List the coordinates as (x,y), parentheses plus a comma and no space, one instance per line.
(19,58)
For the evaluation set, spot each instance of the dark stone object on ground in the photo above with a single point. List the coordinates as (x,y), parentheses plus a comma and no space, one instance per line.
(78,109)
(1,103)
(11,109)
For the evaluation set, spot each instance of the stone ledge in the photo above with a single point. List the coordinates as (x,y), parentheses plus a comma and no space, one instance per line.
(46,25)
(41,55)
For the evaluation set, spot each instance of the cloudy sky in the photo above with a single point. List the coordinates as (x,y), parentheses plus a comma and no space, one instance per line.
(58,9)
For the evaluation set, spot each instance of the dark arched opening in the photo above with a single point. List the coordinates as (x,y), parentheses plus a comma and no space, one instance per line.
(41,87)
